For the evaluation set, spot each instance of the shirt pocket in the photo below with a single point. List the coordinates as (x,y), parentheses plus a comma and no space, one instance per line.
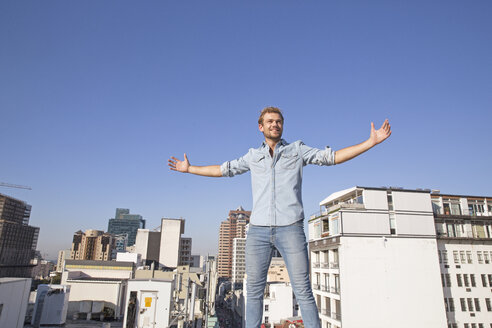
(289,160)
(258,163)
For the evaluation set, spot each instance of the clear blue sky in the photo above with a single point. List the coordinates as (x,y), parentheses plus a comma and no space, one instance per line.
(96,95)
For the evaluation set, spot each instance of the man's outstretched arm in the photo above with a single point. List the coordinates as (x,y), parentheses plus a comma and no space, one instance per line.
(185,167)
(376,137)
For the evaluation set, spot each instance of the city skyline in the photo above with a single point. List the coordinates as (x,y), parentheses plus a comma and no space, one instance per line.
(97,96)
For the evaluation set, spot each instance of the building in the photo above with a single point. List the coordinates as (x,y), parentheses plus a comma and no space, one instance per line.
(238,260)
(464,242)
(185,252)
(374,260)
(62,256)
(167,247)
(126,223)
(279,302)
(121,243)
(148,245)
(97,282)
(233,227)
(92,245)
(18,240)
(14,297)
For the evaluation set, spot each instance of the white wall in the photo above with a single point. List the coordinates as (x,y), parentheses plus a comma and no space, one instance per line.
(109,292)
(368,223)
(390,282)
(171,230)
(280,303)
(141,242)
(411,201)
(412,224)
(14,296)
(375,199)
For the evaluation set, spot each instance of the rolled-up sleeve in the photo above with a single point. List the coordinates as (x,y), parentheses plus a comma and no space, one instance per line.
(317,156)
(236,166)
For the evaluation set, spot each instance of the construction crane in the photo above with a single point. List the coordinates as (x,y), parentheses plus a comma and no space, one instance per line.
(9,185)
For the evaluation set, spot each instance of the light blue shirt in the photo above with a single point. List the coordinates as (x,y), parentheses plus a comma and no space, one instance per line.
(276,181)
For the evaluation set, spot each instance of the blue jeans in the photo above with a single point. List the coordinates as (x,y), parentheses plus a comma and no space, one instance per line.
(291,243)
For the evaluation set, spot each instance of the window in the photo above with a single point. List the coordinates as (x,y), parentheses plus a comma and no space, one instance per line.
(488,305)
(443,280)
(456,257)
(266,307)
(445,257)
(448,279)
(266,319)
(446,305)
(462,257)
(463,304)
(486,257)
(458,279)
(451,304)
(469,301)
(480,257)
(390,201)
(490,280)
(440,257)
(468,257)
(477,304)
(472,279)
(467,281)
(392,223)
(484,280)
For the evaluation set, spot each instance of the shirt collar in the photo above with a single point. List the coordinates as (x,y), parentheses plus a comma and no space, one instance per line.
(282,142)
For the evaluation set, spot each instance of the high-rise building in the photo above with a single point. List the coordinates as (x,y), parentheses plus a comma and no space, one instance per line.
(62,256)
(233,227)
(185,251)
(92,245)
(238,260)
(18,240)
(126,223)
(148,245)
(165,248)
(380,254)
(170,245)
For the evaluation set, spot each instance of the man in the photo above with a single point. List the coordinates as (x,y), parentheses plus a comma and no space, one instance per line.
(277,215)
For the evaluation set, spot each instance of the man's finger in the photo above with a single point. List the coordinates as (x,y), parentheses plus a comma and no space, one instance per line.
(185,157)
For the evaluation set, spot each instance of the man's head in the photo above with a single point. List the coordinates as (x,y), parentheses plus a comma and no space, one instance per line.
(271,123)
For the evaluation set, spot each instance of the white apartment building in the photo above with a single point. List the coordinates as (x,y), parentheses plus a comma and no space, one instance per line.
(464,240)
(374,260)
(238,259)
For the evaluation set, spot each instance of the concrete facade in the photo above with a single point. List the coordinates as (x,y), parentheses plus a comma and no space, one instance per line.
(14,297)
(374,260)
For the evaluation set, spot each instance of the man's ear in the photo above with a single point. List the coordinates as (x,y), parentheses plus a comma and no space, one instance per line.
(260,127)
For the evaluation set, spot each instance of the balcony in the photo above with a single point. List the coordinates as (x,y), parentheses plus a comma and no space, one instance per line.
(333,265)
(325,312)
(316,286)
(316,264)
(336,316)
(325,288)
(324,265)
(335,290)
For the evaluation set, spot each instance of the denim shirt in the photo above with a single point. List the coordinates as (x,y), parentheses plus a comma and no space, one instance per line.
(276,181)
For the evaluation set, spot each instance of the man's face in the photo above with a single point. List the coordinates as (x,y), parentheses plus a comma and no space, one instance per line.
(272,126)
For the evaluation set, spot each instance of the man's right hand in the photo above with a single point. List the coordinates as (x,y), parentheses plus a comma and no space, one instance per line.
(180,166)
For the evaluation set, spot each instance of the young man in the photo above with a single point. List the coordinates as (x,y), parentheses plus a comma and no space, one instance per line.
(277,215)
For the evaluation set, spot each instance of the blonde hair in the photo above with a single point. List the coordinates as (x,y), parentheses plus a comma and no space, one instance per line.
(270,110)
